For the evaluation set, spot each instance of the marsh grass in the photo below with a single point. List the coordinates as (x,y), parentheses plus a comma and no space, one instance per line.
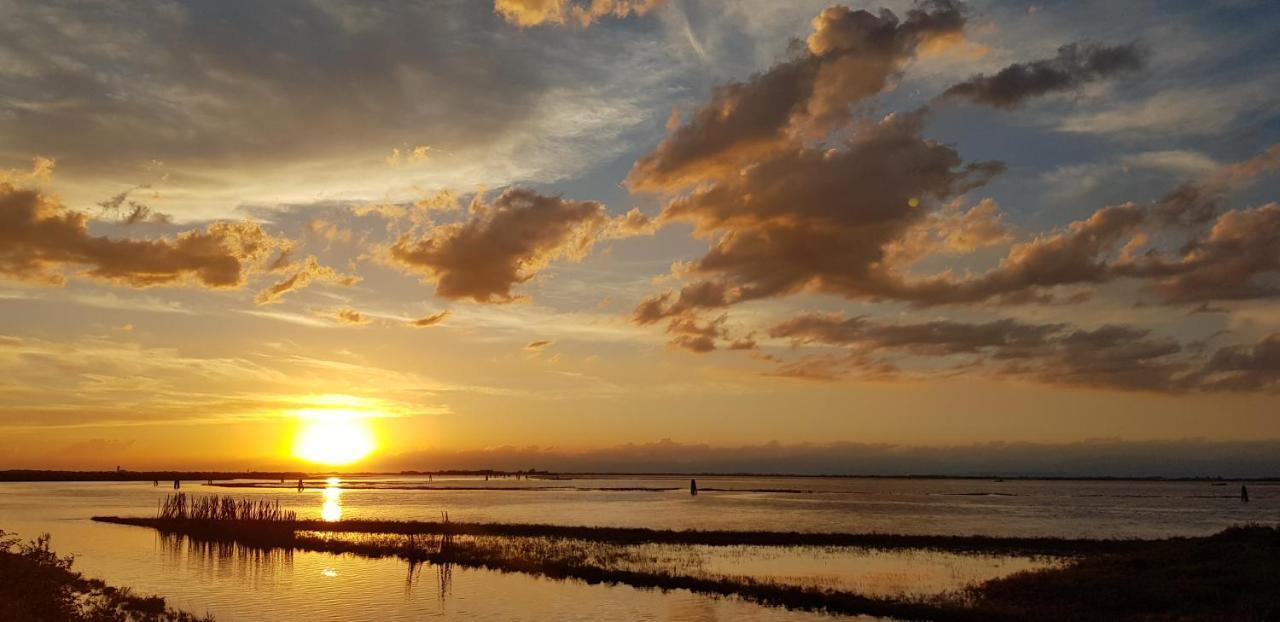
(640,535)
(179,506)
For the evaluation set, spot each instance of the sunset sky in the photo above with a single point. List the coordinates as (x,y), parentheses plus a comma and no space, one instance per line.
(628,228)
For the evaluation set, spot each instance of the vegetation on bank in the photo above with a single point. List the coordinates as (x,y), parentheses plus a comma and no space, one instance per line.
(1234,575)
(37,585)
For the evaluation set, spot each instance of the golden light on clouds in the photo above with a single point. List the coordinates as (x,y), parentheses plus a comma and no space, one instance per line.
(334,436)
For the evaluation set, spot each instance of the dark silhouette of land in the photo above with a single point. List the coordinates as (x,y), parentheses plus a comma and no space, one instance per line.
(40,475)
(37,584)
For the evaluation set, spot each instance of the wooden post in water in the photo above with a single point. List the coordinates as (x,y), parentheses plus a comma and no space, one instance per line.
(693,487)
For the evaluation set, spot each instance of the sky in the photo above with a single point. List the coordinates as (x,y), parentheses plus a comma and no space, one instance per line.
(740,235)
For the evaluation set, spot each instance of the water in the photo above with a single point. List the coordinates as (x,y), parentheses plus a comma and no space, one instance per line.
(236,584)
(918,506)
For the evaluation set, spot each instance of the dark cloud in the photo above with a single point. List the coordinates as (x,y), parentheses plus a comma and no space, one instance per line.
(534,346)
(850,56)
(40,239)
(1073,66)
(1244,367)
(430,320)
(938,338)
(140,213)
(132,212)
(1110,357)
(505,243)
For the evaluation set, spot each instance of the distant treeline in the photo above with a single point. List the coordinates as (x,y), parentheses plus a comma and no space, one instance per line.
(124,475)
(34,475)
(21,475)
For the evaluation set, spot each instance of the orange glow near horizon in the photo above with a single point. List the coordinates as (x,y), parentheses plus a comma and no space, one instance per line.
(333,437)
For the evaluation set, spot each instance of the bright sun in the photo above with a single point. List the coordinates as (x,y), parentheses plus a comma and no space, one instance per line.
(333,437)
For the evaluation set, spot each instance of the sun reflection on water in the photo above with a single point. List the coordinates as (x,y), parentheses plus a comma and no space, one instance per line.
(331,508)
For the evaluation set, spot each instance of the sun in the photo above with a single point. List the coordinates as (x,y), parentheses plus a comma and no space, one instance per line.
(333,437)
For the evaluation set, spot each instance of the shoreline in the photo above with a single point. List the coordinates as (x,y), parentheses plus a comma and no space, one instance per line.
(39,475)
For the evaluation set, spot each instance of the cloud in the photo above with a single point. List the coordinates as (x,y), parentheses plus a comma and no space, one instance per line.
(1244,367)
(206,95)
(951,230)
(412,155)
(688,334)
(351,317)
(1235,259)
(939,338)
(430,320)
(536,346)
(526,13)
(136,212)
(1177,111)
(139,213)
(1073,66)
(306,273)
(505,243)
(40,239)
(850,56)
(825,220)
(1232,262)
(1109,357)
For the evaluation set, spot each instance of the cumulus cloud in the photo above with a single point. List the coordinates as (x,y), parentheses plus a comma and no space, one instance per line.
(824,220)
(850,56)
(430,320)
(505,243)
(1234,259)
(1073,66)
(40,239)
(309,271)
(526,13)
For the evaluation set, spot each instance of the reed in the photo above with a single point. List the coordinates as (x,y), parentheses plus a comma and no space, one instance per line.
(179,506)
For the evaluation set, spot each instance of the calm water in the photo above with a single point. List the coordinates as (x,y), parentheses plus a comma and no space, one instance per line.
(235,584)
